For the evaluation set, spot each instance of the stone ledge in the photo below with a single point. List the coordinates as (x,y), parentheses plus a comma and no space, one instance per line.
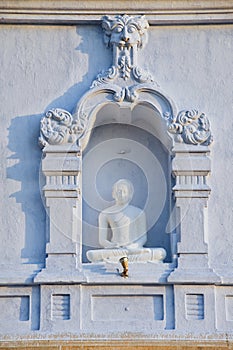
(73,12)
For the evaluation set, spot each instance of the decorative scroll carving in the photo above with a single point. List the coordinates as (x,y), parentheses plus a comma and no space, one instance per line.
(124,34)
(105,77)
(109,75)
(191,127)
(141,75)
(58,126)
(55,127)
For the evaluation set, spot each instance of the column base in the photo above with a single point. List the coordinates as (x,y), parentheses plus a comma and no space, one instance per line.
(193,268)
(48,277)
(60,268)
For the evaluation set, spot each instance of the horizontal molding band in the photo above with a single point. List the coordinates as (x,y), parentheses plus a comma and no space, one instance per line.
(163,12)
(166,344)
(116,4)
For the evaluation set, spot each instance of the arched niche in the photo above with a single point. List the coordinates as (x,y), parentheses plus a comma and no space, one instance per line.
(127,121)
(127,99)
(125,113)
(128,141)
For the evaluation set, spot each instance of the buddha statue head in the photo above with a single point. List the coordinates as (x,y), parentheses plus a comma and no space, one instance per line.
(122,192)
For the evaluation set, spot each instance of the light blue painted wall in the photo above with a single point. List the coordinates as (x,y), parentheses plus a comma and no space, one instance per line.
(52,66)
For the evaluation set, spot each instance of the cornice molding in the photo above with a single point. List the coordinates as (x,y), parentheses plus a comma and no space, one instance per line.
(160,12)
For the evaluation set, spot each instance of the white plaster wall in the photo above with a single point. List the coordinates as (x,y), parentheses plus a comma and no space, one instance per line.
(52,66)
(41,67)
(193,65)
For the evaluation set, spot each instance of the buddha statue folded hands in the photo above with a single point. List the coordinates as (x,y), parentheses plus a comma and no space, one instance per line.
(122,230)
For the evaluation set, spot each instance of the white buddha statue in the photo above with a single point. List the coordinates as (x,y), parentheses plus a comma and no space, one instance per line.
(122,230)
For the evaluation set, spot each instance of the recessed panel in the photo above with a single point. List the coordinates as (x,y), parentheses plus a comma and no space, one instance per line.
(60,307)
(15,307)
(127,308)
(194,305)
(229,307)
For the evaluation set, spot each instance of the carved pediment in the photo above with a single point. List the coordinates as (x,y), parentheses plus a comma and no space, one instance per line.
(124,35)
(124,82)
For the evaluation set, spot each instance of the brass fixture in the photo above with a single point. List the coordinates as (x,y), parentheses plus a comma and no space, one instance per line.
(125,265)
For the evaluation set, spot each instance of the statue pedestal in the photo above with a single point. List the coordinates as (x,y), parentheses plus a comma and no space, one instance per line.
(109,273)
(137,255)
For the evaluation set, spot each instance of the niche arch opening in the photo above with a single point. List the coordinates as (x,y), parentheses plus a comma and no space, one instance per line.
(128,143)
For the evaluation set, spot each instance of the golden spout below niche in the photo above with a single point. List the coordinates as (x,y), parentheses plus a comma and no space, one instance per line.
(125,264)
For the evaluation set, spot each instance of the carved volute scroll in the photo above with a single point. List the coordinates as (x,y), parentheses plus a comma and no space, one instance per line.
(58,127)
(191,127)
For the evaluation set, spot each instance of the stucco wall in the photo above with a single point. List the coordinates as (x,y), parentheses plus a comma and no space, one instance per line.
(52,66)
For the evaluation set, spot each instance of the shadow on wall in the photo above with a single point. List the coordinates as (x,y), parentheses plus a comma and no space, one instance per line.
(23,136)
(23,142)
(93,61)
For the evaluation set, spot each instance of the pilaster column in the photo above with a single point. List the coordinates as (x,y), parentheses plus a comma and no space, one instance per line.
(61,167)
(191,166)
